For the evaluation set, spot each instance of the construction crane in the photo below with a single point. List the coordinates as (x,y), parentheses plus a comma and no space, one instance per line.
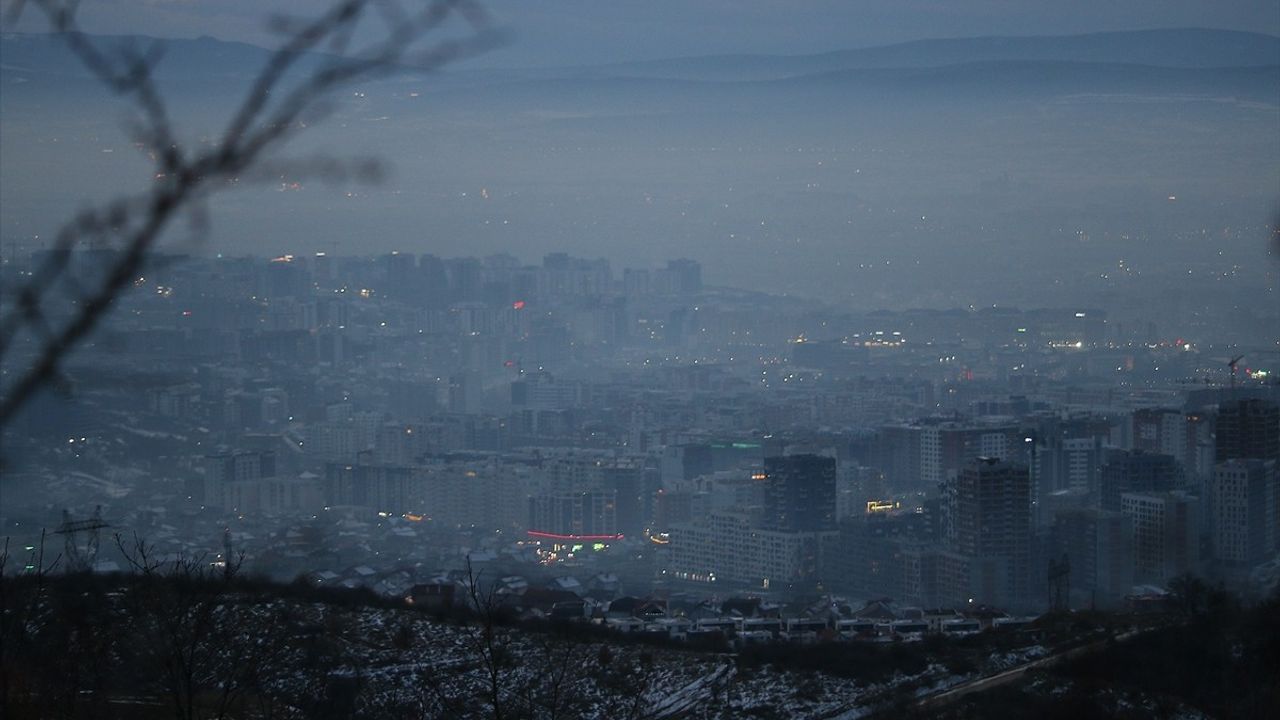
(1232,364)
(79,559)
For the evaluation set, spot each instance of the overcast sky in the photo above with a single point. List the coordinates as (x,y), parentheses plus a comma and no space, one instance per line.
(565,32)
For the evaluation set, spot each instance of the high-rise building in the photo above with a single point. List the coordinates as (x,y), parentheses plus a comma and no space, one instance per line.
(1242,496)
(634,509)
(685,462)
(799,493)
(636,282)
(1099,546)
(383,488)
(1136,471)
(581,515)
(229,467)
(232,480)
(1161,431)
(1248,429)
(623,478)
(465,390)
(732,539)
(432,286)
(686,276)
(946,447)
(989,522)
(1166,534)
(896,451)
(726,547)
(884,554)
(283,277)
(1068,456)
(400,270)
(1199,461)
(856,486)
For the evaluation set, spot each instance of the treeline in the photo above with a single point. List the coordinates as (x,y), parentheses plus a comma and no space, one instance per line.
(176,639)
(1224,661)
(1221,658)
(183,638)
(186,638)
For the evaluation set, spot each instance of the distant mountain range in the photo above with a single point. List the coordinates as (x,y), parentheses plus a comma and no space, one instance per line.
(822,93)
(208,59)
(1165,63)
(1188,48)
(794,172)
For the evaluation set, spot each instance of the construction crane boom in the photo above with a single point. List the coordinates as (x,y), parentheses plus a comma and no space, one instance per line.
(1232,364)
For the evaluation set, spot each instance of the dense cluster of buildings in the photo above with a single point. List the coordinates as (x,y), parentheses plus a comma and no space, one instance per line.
(416,411)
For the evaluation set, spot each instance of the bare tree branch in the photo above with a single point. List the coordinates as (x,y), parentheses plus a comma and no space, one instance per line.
(272,110)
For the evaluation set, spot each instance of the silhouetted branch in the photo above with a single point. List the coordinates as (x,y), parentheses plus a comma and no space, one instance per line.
(272,109)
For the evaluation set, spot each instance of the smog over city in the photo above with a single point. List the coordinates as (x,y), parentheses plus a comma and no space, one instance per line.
(451,359)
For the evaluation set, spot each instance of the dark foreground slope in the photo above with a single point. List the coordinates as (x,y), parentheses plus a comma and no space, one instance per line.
(1223,663)
(157,644)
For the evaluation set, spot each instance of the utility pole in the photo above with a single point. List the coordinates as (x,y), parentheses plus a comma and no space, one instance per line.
(79,559)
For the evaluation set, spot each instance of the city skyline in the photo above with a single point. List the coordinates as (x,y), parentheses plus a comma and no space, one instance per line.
(664,361)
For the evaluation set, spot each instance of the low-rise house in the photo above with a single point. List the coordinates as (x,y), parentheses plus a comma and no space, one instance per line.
(324,577)
(567,583)
(441,593)
(643,608)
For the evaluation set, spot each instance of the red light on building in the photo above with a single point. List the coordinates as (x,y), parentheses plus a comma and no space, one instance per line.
(509,363)
(517,305)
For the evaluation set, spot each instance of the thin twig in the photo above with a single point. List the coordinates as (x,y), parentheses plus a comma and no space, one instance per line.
(270,112)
